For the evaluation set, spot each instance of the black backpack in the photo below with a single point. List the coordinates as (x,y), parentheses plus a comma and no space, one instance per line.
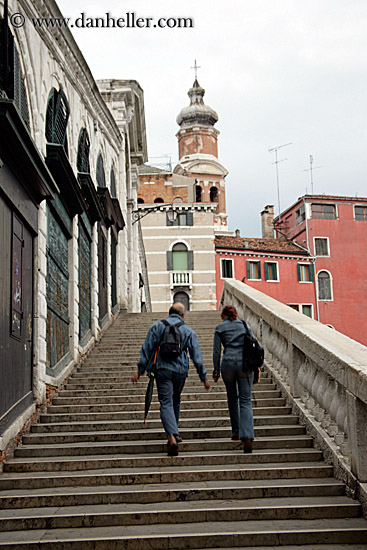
(170,346)
(252,354)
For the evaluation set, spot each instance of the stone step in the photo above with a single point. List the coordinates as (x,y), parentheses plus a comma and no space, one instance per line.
(146,446)
(153,414)
(175,536)
(203,423)
(96,462)
(189,474)
(166,492)
(178,512)
(186,397)
(141,388)
(132,435)
(128,387)
(132,406)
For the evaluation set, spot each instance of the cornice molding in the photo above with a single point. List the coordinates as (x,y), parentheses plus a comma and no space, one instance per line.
(62,46)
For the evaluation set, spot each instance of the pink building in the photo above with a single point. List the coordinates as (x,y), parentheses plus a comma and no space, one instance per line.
(277,267)
(317,264)
(334,230)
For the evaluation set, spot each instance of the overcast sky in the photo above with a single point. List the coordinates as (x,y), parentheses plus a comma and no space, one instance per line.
(275,71)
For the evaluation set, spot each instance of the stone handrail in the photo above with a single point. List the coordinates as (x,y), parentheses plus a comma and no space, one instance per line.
(323,372)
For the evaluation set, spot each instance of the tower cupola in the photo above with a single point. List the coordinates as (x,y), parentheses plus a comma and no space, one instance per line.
(197,113)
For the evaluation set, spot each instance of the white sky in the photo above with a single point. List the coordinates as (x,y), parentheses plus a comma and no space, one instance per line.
(276,71)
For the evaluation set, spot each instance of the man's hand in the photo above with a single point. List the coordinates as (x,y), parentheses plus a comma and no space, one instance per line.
(135,377)
(206,384)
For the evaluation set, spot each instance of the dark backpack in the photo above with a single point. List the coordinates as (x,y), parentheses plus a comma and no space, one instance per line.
(252,354)
(170,346)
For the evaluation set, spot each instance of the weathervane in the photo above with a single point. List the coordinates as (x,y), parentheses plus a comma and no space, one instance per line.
(196,67)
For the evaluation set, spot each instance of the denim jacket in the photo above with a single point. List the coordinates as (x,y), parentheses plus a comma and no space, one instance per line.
(230,335)
(181,364)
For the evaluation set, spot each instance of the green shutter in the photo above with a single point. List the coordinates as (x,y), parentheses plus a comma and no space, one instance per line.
(259,270)
(248,269)
(169,261)
(266,266)
(299,272)
(190,257)
(190,218)
(311,273)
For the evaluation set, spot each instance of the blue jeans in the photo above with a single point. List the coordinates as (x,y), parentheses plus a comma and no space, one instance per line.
(239,385)
(169,386)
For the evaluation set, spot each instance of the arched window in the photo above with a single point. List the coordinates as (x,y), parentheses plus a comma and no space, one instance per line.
(324,285)
(158,200)
(180,260)
(113,184)
(101,180)
(140,201)
(20,96)
(213,194)
(57,116)
(177,199)
(82,162)
(198,193)
(183,298)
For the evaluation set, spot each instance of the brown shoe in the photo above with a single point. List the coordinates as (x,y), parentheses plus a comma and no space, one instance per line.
(247,445)
(172,447)
(235,437)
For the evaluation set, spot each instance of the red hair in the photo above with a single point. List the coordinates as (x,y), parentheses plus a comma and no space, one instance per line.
(230,312)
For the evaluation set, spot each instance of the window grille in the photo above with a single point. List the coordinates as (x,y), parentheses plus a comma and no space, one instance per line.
(57,116)
(324,211)
(113,184)
(83,152)
(101,180)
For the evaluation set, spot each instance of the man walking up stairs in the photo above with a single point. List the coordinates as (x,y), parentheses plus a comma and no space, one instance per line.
(92,475)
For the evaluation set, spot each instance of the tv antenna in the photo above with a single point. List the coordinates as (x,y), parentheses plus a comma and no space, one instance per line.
(310,170)
(276,149)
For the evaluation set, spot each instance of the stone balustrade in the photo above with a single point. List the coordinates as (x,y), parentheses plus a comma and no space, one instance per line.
(322,372)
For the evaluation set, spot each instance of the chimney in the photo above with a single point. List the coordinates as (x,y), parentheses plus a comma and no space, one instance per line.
(267,217)
(237,233)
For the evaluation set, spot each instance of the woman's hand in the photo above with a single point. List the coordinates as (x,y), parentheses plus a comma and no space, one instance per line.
(135,377)
(216,377)
(206,384)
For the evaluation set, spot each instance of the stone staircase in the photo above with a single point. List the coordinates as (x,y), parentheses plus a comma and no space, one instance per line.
(92,475)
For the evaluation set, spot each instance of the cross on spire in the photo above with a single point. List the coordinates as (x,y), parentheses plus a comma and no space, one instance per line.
(196,67)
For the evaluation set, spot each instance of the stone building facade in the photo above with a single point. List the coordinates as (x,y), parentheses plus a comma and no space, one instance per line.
(181,253)
(70,259)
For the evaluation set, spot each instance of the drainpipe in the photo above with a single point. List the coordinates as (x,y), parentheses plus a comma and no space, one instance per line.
(313,260)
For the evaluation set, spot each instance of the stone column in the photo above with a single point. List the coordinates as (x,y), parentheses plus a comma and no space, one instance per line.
(357,423)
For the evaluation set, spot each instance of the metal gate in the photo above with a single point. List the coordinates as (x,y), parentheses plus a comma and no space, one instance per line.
(16,318)
(57,289)
(113,274)
(102,274)
(85,275)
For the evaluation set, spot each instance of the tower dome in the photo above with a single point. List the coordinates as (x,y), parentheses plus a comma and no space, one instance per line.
(197,113)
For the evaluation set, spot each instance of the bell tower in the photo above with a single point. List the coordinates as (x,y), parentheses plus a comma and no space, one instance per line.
(198,153)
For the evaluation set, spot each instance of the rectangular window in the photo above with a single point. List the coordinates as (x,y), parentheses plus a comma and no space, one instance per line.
(321,246)
(271,271)
(294,306)
(305,273)
(300,215)
(253,270)
(360,213)
(307,310)
(324,211)
(226,268)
